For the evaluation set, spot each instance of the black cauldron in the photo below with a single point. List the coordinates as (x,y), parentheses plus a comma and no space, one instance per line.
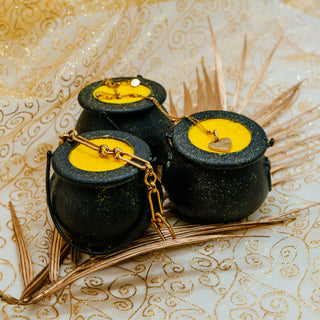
(141,118)
(98,211)
(217,187)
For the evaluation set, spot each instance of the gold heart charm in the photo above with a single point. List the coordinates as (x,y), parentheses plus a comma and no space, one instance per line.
(222,145)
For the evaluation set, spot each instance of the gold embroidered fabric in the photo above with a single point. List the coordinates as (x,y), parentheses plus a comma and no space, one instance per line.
(50,49)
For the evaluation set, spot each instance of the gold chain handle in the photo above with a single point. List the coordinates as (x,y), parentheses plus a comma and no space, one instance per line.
(150,178)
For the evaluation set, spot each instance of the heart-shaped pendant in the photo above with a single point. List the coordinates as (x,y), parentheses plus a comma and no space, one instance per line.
(221,145)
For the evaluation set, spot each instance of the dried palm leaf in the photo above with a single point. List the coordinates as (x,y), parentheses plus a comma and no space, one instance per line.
(211,100)
(275,102)
(287,146)
(292,128)
(240,76)
(292,212)
(54,256)
(265,119)
(23,251)
(187,235)
(173,110)
(75,256)
(286,165)
(100,263)
(284,156)
(294,123)
(201,104)
(219,78)
(258,79)
(42,277)
(188,109)
(286,178)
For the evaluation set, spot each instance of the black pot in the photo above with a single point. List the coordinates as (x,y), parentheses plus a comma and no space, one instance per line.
(217,187)
(141,118)
(98,212)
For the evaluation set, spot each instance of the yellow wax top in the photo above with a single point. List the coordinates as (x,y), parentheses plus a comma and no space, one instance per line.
(240,136)
(107,94)
(87,159)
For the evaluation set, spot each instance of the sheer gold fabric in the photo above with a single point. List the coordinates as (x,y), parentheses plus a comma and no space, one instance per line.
(51,49)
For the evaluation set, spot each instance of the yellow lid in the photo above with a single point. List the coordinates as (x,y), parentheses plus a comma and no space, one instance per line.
(124,89)
(87,159)
(239,135)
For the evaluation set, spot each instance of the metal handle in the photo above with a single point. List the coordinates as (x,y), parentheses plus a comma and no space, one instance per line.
(268,171)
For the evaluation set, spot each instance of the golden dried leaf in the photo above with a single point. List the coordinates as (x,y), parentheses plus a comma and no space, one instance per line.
(258,79)
(23,251)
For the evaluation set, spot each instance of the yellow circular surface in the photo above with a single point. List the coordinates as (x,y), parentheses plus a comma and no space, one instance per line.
(107,94)
(240,136)
(87,159)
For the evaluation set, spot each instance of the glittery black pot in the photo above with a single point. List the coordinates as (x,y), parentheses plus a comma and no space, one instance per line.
(98,212)
(217,187)
(141,118)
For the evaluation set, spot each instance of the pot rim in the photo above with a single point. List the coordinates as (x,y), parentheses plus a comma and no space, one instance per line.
(90,103)
(64,169)
(251,153)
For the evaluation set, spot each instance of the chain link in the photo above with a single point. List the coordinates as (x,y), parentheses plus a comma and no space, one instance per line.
(116,95)
(150,179)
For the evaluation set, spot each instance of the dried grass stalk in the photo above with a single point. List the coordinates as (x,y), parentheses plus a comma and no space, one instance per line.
(54,256)
(258,79)
(23,251)
(220,86)
(240,76)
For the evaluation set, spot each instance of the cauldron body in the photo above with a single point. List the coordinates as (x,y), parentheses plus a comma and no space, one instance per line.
(99,211)
(141,118)
(217,187)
